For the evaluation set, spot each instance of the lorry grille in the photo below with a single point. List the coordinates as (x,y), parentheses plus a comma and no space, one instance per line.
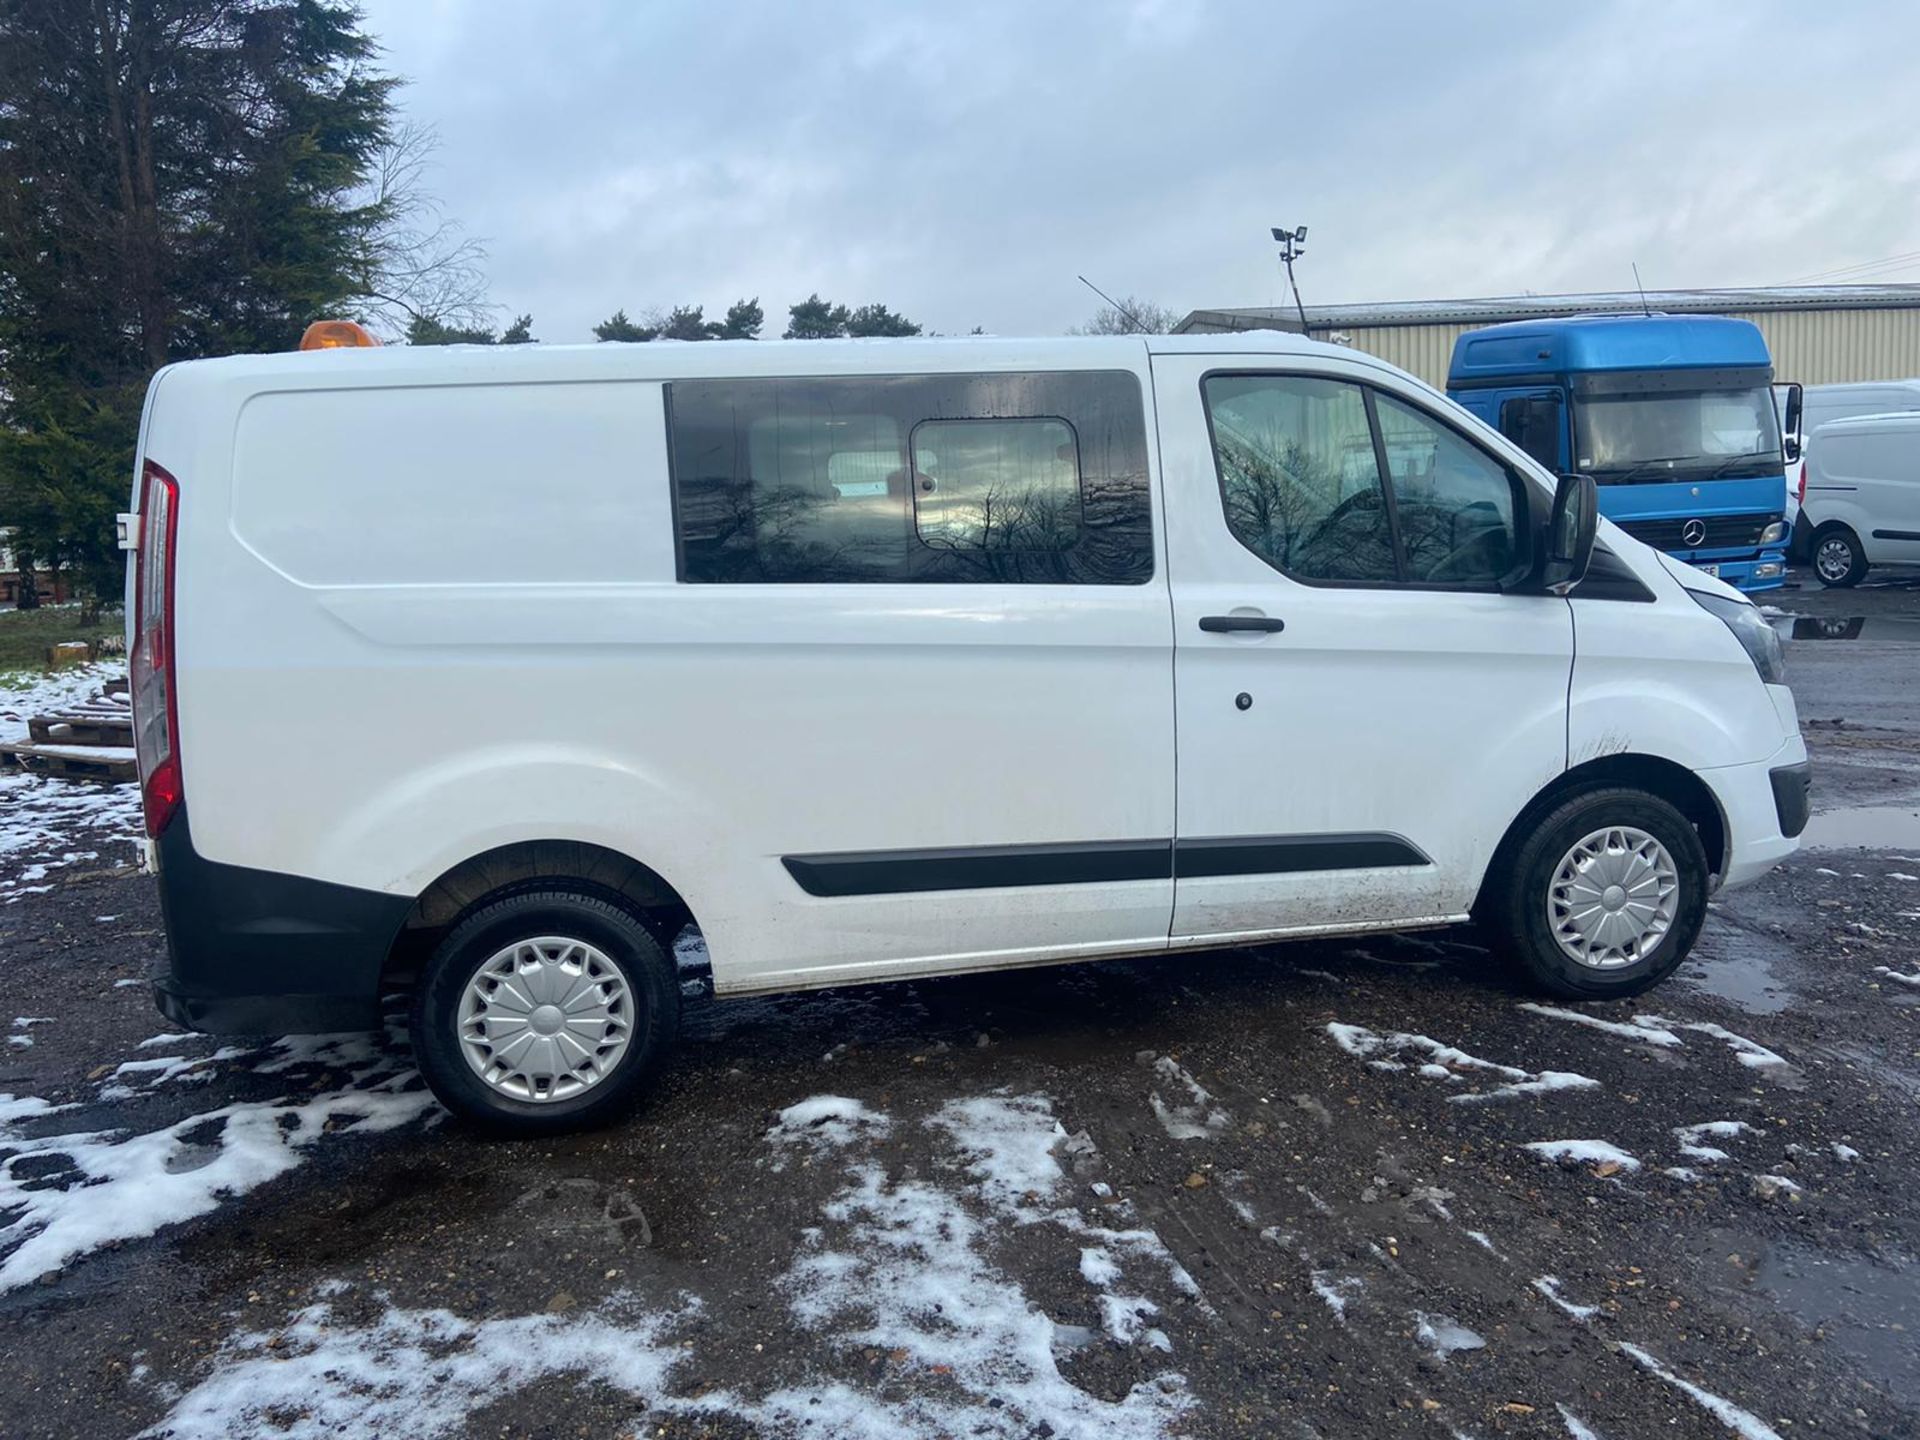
(1723,531)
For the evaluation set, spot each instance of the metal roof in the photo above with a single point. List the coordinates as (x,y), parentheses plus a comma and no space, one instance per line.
(1494,309)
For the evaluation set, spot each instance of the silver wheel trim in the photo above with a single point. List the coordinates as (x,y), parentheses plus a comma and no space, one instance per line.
(545,1019)
(1613,898)
(1833,559)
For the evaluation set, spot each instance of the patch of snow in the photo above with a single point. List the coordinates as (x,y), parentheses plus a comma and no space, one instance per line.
(1381,1049)
(1576,1428)
(1902,875)
(1754,1056)
(1336,1290)
(20,1042)
(1479,1237)
(118,1186)
(1897,977)
(1097,1267)
(826,1122)
(1197,1118)
(1681,1173)
(1690,1137)
(1845,1153)
(49,824)
(27,1022)
(1643,1029)
(1771,1185)
(1582,1152)
(154,1042)
(415,1374)
(1008,1143)
(129,984)
(1445,1337)
(1549,1286)
(1124,1317)
(1744,1424)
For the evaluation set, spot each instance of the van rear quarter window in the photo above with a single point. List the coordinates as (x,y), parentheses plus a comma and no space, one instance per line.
(1030,478)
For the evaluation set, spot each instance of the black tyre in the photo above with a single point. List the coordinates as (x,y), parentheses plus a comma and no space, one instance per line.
(545,1012)
(1602,898)
(1837,558)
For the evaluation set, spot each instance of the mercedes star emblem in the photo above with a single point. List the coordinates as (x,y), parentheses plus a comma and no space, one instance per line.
(1694,532)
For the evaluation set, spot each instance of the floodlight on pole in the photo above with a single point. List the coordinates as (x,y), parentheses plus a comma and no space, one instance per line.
(1293,244)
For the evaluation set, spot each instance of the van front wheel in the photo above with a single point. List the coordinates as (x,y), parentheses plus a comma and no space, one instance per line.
(544,1012)
(1838,558)
(1604,898)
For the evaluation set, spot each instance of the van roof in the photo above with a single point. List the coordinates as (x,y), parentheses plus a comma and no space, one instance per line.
(1870,422)
(675,359)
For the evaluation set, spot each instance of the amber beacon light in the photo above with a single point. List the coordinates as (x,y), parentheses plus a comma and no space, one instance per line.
(336,335)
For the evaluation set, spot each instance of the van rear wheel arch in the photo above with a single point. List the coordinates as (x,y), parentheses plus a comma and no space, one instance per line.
(493,875)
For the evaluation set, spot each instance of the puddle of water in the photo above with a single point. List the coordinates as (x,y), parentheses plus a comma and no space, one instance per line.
(1869,1312)
(1738,965)
(1874,629)
(1864,827)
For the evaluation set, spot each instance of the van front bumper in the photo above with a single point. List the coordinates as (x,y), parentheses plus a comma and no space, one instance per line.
(254,952)
(1766,805)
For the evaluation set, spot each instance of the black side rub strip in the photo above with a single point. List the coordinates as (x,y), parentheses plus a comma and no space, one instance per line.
(983,867)
(995,867)
(1288,854)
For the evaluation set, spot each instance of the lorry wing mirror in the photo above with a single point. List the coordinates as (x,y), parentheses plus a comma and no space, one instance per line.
(1571,528)
(1790,426)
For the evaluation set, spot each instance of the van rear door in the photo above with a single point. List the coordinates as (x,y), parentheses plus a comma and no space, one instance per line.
(1360,712)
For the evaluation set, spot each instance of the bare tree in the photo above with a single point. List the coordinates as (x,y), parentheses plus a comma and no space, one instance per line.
(414,262)
(1131,316)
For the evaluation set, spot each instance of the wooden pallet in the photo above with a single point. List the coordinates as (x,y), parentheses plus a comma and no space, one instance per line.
(82,727)
(71,762)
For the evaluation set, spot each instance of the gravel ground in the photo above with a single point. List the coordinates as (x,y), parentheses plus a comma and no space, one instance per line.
(1342,1190)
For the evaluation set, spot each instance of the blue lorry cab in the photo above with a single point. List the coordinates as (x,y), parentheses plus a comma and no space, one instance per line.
(1673,416)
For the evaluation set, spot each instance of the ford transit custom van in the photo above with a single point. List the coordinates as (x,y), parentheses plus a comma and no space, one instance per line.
(478,674)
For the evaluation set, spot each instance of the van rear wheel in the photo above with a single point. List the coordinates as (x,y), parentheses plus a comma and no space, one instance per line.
(1604,898)
(544,1012)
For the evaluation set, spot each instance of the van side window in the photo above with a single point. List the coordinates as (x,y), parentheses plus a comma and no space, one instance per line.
(1454,503)
(1300,461)
(1036,478)
(1299,477)
(983,485)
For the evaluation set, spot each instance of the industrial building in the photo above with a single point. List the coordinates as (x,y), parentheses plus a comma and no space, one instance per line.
(1818,334)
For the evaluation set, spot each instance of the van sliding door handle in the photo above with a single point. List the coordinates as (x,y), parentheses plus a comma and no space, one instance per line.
(1228,624)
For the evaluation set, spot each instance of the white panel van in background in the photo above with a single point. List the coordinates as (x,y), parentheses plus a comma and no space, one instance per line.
(480,673)
(1863,496)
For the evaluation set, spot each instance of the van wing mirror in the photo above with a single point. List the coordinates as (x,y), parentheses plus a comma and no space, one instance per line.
(1790,425)
(1571,528)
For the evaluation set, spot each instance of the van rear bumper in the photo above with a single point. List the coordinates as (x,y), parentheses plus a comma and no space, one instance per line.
(256,952)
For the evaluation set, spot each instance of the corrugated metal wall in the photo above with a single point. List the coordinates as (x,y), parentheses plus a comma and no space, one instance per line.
(1815,347)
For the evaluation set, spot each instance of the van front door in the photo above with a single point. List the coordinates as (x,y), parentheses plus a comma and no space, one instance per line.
(1361,712)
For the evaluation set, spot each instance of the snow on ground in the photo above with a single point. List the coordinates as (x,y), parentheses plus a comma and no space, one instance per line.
(1582,1152)
(1549,1286)
(1654,1030)
(1577,1429)
(824,1122)
(1741,1422)
(413,1374)
(1196,1117)
(1442,1336)
(64,1195)
(1691,1136)
(1897,977)
(48,824)
(901,1264)
(1395,1050)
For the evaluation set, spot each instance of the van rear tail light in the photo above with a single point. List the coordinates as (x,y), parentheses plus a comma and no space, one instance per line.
(150,665)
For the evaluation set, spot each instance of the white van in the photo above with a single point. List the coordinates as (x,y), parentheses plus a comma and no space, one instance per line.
(480,673)
(1863,496)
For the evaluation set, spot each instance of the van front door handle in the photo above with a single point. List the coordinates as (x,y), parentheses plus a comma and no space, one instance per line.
(1229,624)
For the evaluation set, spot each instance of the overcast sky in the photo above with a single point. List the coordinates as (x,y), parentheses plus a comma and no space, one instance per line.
(963,161)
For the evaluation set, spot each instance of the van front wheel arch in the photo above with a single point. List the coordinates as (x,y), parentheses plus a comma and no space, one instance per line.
(1601,897)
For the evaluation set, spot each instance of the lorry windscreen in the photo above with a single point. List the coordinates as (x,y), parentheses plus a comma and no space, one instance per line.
(1627,436)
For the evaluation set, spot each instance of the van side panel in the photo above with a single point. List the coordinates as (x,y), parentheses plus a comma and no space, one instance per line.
(422,622)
